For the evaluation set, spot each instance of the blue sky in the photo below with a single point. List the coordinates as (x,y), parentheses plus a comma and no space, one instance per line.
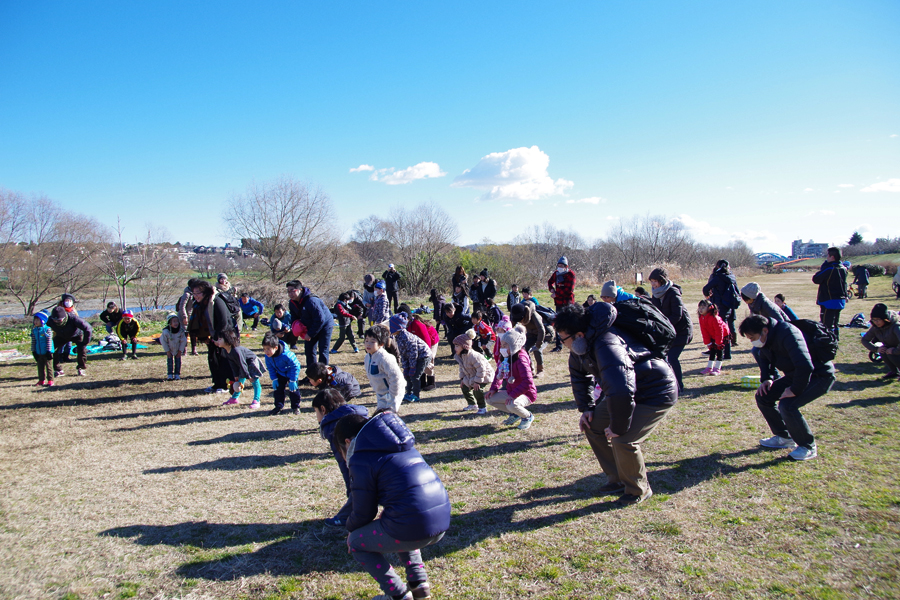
(762,121)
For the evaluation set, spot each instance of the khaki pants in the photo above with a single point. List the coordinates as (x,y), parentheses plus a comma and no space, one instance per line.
(621,458)
(515,407)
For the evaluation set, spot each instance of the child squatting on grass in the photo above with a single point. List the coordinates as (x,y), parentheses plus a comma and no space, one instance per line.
(127,330)
(323,377)
(42,349)
(415,355)
(474,371)
(384,373)
(174,343)
(284,369)
(387,470)
(514,374)
(244,365)
(330,407)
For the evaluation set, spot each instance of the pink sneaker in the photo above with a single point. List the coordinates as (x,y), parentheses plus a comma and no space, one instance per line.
(254,405)
(706,371)
(39,383)
(50,383)
(716,372)
(230,402)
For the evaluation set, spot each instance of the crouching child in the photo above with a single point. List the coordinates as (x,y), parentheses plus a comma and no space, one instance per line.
(330,407)
(323,377)
(245,367)
(513,374)
(387,470)
(284,369)
(128,329)
(474,372)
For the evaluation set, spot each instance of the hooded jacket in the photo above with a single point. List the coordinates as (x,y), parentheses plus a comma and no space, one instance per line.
(312,312)
(533,324)
(342,381)
(889,335)
(326,429)
(623,368)
(185,305)
(244,363)
(722,290)
(384,376)
(671,305)
(216,317)
(72,329)
(457,324)
(387,470)
(520,381)
(412,349)
(128,331)
(832,282)
(283,364)
(381,308)
(252,308)
(714,330)
(765,307)
(42,340)
(786,350)
(173,341)
(474,368)
(424,332)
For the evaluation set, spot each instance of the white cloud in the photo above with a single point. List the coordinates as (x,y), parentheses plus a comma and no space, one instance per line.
(729,188)
(612,218)
(864,228)
(845,185)
(519,173)
(423,170)
(806,190)
(362,168)
(591,200)
(754,235)
(701,228)
(891,185)
(824,213)
(893,135)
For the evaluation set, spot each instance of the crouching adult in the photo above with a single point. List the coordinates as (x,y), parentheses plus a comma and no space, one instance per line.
(804,379)
(638,391)
(68,329)
(885,329)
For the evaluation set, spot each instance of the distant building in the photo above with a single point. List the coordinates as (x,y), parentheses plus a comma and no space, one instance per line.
(809,249)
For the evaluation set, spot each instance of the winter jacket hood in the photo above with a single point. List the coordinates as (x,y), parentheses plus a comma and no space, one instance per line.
(329,421)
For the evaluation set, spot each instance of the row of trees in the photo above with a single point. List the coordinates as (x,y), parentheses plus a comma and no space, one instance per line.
(293,230)
(857,246)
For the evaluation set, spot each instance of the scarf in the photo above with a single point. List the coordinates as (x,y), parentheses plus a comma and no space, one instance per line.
(661,290)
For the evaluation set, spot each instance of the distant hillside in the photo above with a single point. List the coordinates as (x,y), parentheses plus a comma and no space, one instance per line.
(874,259)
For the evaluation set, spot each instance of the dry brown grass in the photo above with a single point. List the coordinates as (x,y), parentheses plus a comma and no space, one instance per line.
(121,485)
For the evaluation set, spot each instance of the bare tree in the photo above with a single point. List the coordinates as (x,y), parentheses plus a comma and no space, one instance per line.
(289,225)
(162,279)
(542,246)
(371,241)
(53,253)
(208,265)
(424,237)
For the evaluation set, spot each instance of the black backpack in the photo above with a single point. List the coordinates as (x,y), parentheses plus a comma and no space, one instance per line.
(234,307)
(645,322)
(821,342)
(548,315)
(732,296)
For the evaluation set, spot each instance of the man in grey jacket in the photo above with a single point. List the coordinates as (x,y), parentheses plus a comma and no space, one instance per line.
(783,346)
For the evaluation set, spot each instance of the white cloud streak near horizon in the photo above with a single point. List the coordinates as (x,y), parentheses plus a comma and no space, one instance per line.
(361,168)
(891,185)
(391,176)
(519,174)
(591,200)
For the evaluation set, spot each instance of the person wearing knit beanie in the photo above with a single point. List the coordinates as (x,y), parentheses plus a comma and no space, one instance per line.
(886,330)
(609,292)
(474,372)
(659,274)
(750,291)
(513,389)
(464,340)
(398,322)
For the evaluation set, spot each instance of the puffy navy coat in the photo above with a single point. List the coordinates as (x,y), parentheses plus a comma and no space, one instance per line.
(387,470)
(312,312)
(326,428)
(624,369)
(722,290)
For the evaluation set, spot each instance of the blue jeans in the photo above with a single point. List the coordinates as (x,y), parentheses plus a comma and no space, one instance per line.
(786,420)
(318,345)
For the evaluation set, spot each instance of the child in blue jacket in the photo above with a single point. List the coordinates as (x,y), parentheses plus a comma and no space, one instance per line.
(330,407)
(386,470)
(284,369)
(251,308)
(42,349)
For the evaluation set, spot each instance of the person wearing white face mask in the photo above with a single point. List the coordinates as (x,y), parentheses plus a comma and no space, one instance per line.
(804,379)
(562,288)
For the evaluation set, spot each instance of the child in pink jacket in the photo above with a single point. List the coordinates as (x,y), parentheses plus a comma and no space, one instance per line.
(514,373)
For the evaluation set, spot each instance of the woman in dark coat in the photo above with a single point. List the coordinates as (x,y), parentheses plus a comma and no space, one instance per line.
(209,318)
(667,298)
(722,290)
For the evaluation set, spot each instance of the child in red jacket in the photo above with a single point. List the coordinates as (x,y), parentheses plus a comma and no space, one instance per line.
(716,336)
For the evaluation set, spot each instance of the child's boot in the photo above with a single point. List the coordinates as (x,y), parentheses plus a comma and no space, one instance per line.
(420,591)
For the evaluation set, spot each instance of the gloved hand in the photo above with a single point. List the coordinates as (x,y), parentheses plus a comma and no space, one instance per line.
(274,384)
(292,386)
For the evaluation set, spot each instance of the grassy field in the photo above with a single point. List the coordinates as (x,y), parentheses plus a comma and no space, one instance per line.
(121,485)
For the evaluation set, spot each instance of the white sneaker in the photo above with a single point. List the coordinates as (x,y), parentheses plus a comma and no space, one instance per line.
(776,441)
(526,423)
(804,453)
(471,407)
(481,411)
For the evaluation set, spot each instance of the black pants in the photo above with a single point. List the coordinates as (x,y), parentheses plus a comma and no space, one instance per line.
(173,364)
(831,318)
(393,295)
(672,358)
(45,366)
(785,419)
(218,366)
(280,392)
(61,355)
(255,320)
(345,333)
(125,348)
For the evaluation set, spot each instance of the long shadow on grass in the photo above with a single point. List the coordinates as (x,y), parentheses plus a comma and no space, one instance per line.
(242,463)
(98,401)
(193,420)
(677,475)
(149,413)
(252,436)
(864,402)
(485,450)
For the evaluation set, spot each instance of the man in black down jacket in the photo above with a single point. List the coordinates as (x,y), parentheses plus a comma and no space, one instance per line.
(638,391)
(722,290)
(386,470)
(832,296)
(392,286)
(667,298)
(783,345)
(759,304)
(69,328)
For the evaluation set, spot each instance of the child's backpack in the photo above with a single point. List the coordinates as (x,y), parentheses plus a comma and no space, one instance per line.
(859,321)
(641,319)
(234,307)
(548,318)
(731,298)
(821,342)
